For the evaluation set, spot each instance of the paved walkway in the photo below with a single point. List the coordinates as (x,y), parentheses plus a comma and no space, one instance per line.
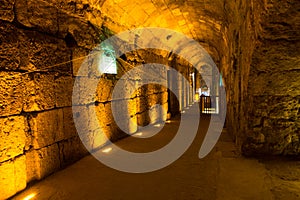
(222,175)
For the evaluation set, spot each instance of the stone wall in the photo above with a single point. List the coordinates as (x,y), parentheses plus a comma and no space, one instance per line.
(240,30)
(274,84)
(43,44)
(37,133)
(261,70)
(42,47)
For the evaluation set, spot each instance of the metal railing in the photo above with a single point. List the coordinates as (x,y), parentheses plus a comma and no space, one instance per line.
(209,104)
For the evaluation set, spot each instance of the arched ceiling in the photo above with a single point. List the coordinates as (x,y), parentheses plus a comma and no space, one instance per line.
(201,20)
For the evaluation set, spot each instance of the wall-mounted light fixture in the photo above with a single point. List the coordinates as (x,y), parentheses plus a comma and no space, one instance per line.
(107,60)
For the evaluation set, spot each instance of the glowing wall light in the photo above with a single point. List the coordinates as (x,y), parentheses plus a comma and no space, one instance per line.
(107,150)
(107,60)
(29,197)
(139,134)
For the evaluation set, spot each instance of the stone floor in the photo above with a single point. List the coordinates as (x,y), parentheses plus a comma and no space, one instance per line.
(222,175)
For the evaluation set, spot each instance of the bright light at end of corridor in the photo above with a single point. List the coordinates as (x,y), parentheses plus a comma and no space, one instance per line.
(29,197)
(107,150)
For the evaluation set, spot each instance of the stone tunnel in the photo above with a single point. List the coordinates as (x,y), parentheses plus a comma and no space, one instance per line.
(48,67)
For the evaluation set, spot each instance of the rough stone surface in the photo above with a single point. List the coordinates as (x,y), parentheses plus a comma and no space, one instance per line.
(12,136)
(47,128)
(13,177)
(40,94)
(71,150)
(43,44)
(37,14)
(275,83)
(63,91)
(42,162)
(47,160)
(11,93)
(6,9)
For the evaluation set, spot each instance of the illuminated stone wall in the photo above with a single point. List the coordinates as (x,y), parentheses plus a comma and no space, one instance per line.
(254,44)
(42,48)
(240,31)
(275,83)
(37,133)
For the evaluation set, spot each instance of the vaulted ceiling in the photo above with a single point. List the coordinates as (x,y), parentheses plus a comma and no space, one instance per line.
(201,20)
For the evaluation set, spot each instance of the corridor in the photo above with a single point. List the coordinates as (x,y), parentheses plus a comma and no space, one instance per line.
(223,175)
(86,85)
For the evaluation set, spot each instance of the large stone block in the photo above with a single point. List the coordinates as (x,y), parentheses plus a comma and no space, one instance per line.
(31,166)
(104,114)
(47,161)
(104,90)
(41,163)
(39,94)
(20,173)
(37,14)
(47,128)
(71,150)
(82,33)
(12,137)
(7,10)
(13,177)
(10,52)
(99,127)
(31,50)
(81,116)
(46,53)
(11,93)
(85,92)
(278,83)
(125,89)
(63,91)
(7,171)
(69,128)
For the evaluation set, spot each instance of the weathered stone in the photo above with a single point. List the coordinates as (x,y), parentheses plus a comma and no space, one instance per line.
(31,166)
(20,173)
(7,10)
(83,34)
(13,177)
(69,128)
(104,90)
(7,179)
(30,50)
(104,114)
(47,161)
(63,91)
(80,59)
(41,163)
(11,93)
(12,136)
(10,52)
(71,150)
(37,14)
(86,93)
(40,94)
(47,128)
(267,83)
(81,116)
(45,53)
